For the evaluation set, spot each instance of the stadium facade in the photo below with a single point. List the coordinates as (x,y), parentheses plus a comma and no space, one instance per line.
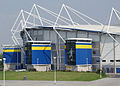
(78,47)
(100,40)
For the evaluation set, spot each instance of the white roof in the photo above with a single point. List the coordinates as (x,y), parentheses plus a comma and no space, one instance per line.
(40,41)
(10,46)
(98,28)
(95,28)
(79,39)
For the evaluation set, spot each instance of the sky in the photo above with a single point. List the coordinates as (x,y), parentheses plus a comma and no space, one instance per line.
(9,9)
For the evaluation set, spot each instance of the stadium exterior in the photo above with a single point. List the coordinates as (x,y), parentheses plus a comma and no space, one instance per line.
(100,40)
(78,47)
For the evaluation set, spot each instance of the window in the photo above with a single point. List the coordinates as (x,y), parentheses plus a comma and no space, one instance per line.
(97,60)
(71,52)
(117,60)
(111,60)
(103,60)
(94,52)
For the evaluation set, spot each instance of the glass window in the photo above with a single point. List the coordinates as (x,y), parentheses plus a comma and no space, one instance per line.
(97,60)
(111,60)
(103,60)
(71,52)
(117,60)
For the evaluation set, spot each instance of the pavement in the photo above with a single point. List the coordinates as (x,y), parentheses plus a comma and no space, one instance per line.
(100,82)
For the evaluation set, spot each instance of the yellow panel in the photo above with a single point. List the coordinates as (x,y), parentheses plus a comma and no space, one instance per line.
(84,46)
(41,48)
(11,50)
(25,48)
(65,46)
(68,67)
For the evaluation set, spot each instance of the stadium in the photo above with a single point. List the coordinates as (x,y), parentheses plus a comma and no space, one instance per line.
(77,46)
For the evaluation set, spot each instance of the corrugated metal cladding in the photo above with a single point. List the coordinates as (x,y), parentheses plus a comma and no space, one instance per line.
(12,55)
(41,54)
(83,53)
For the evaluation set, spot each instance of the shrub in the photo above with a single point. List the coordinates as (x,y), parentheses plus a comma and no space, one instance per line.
(1,62)
(31,69)
(103,72)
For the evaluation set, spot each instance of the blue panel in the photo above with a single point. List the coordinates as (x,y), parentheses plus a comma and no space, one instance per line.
(41,45)
(118,70)
(83,56)
(10,48)
(12,57)
(83,43)
(107,70)
(41,56)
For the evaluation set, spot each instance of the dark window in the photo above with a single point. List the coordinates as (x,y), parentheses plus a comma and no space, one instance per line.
(84,40)
(29,53)
(103,60)
(71,52)
(94,52)
(111,60)
(97,60)
(117,60)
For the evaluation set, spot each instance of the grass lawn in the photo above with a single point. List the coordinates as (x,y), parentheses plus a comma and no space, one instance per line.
(61,76)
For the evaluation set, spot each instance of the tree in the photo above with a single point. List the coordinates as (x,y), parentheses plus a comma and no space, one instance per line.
(1,62)
(1,55)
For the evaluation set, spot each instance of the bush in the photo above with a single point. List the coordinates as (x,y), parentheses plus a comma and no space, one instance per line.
(31,69)
(103,72)
(1,62)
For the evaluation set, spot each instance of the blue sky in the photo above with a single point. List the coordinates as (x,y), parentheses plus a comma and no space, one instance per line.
(9,9)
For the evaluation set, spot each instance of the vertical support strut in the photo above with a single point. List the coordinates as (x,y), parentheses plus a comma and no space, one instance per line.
(114,56)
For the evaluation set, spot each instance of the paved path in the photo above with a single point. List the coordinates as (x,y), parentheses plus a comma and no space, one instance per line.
(101,82)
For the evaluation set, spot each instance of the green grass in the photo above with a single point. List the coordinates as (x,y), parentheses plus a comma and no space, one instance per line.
(61,76)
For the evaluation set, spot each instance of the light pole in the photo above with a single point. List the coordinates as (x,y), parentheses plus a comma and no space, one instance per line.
(55,70)
(100,67)
(4,72)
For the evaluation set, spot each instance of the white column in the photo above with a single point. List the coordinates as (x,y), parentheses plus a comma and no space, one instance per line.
(55,70)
